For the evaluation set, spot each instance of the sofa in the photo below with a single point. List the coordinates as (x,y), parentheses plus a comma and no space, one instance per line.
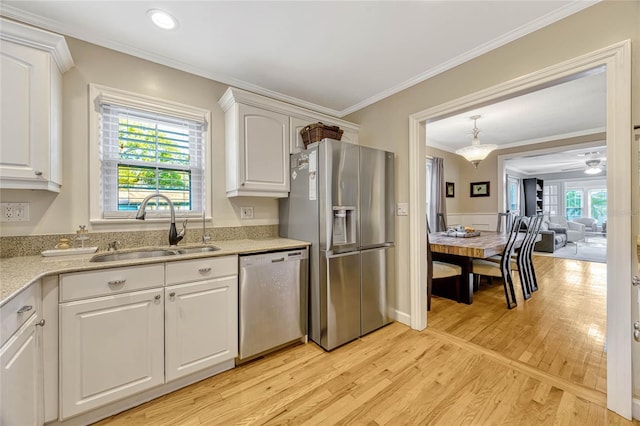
(552,237)
(575,231)
(590,224)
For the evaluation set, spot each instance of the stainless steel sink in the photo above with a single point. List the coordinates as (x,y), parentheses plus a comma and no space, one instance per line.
(131,255)
(144,254)
(194,250)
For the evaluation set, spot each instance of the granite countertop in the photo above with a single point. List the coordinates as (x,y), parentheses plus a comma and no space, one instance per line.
(17,273)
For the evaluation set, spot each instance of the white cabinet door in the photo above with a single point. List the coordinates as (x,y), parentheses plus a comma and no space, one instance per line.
(25,102)
(258,157)
(32,63)
(110,347)
(21,377)
(201,325)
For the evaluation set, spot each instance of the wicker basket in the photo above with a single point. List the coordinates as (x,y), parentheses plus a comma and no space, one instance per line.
(317,131)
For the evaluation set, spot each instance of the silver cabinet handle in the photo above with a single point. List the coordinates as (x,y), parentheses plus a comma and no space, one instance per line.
(280,259)
(635,281)
(37,172)
(172,294)
(25,308)
(40,323)
(157,297)
(116,282)
(204,270)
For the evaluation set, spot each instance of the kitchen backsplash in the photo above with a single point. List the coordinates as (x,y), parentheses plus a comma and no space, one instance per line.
(32,245)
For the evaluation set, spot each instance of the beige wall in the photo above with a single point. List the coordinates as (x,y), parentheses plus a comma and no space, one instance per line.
(64,212)
(594,28)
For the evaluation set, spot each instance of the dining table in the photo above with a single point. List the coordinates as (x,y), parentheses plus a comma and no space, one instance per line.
(462,250)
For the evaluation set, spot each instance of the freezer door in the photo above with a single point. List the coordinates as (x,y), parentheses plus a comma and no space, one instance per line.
(377,198)
(378,289)
(340,300)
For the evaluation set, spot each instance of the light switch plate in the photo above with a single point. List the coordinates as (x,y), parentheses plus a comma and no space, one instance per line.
(402,209)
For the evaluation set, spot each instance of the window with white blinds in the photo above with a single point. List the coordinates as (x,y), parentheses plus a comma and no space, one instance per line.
(145,151)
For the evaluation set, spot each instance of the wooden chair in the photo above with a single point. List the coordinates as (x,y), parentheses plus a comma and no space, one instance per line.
(502,269)
(437,270)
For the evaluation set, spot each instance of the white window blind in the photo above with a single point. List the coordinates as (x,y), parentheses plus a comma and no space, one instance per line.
(145,152)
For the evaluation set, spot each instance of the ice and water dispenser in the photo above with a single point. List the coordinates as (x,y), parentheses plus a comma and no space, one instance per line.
(344,225)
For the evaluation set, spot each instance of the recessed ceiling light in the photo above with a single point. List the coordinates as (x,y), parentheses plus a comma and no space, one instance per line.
(162,19)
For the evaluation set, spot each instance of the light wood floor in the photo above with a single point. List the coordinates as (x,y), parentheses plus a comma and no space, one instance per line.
(454,372)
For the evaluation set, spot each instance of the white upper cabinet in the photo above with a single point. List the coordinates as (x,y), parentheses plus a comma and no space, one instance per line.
(260,134)
(32,63)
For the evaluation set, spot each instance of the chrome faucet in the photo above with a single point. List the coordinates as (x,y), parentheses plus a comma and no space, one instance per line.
(174,236)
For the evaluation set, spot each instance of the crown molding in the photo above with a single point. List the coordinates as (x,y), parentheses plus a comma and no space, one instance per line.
(36,38)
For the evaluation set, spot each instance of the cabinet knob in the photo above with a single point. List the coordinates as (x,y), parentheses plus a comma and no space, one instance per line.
(38,173)
(25,308)
(40,323)
(172,294)
(157,297)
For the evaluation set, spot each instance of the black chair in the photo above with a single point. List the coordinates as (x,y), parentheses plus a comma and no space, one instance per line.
(524,257)
(502,269)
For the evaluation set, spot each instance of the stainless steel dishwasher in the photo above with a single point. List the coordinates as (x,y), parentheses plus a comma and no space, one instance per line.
(273,301)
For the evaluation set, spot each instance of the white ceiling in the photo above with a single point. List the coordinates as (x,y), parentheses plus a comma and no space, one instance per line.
(573,108)
(572,160)
(331,56)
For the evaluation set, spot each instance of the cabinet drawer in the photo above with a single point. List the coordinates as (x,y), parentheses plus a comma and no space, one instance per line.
(18,310)
(201,269)
(110,281)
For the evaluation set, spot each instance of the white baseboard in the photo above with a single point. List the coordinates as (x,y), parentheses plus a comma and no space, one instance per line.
(403,318)
(636,409)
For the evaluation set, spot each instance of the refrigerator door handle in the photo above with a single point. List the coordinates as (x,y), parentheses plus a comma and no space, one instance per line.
(377,246)
(329,254)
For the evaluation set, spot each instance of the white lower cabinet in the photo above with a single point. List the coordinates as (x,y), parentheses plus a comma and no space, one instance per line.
(110,347)
(118,337)
(201,323)
(21,377)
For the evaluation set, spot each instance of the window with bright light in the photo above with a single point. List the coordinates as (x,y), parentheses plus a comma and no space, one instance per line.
(148,146)
(550,199)
(573,204)
(513,194)
(598,205)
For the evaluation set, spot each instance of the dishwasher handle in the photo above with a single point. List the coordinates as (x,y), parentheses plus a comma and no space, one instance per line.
(280,259)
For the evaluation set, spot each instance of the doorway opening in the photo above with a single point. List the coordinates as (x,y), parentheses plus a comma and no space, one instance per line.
(618,123)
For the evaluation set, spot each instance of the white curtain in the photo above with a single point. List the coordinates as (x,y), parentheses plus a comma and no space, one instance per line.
(437,201)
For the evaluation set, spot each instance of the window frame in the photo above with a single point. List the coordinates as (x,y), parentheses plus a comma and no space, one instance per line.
(99,94)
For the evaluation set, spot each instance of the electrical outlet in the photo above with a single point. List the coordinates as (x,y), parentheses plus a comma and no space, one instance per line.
(14,212)
(246,212)
(402,209)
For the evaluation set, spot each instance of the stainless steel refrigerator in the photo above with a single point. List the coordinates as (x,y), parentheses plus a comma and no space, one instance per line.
(342,201)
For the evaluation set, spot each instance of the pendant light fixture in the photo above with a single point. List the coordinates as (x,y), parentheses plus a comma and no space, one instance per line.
(476,152)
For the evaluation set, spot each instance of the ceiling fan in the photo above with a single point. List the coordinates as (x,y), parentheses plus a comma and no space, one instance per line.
(593,167)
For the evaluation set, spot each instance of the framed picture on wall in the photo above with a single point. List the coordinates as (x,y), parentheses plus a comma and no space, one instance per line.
(451,191)
(479,189)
